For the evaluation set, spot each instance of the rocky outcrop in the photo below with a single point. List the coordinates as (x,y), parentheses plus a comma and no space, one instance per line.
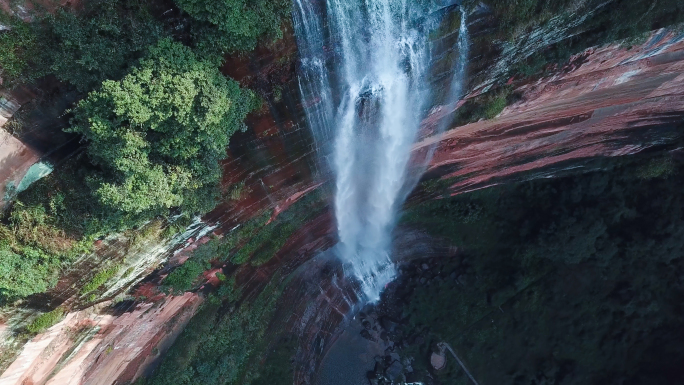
(15,157)
(89,347)
(15,161)
(614,101)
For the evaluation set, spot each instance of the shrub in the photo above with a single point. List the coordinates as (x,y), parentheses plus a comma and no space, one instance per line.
(33,226)
(228,291)
(25,271)
(99,279)
(33,249)
(494,107)
(656,168)
(159,133)
(183,277)
(45,321)
(484,106)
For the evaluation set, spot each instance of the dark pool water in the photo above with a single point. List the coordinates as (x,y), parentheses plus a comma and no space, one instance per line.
(348,360)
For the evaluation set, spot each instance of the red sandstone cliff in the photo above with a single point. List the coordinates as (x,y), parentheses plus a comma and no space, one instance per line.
(617,102)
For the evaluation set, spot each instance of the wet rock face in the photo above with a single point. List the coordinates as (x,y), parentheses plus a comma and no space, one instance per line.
(16,159)
(275,158)
(614,102)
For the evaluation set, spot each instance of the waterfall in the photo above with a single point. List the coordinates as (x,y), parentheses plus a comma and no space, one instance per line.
(364,85)
(456,92)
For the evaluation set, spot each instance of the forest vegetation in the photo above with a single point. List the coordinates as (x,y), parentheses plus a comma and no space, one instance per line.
(572,272)
(154,114)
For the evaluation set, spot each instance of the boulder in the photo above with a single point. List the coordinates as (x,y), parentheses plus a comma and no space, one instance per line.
(394,371)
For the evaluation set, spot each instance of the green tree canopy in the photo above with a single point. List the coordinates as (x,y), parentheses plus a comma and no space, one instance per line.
(99,44)
(235,25)
(159,133)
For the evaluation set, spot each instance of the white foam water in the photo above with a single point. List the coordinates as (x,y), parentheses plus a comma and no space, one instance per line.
(364,82)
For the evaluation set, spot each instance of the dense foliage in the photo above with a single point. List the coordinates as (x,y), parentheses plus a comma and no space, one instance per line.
(32,252)
(156,122)
(559,278)
(278,366)
(159,133)
(99,43)
(235,25)
(24,274)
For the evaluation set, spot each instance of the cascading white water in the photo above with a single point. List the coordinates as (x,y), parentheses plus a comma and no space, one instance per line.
(365,88)
(456,91)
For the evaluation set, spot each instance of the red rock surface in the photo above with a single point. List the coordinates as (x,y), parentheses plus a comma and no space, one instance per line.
(92,348)
(603,107)
(15,160)
(15,157)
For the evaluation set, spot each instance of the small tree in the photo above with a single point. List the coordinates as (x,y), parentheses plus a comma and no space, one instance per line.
(182,278)
(158,134)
